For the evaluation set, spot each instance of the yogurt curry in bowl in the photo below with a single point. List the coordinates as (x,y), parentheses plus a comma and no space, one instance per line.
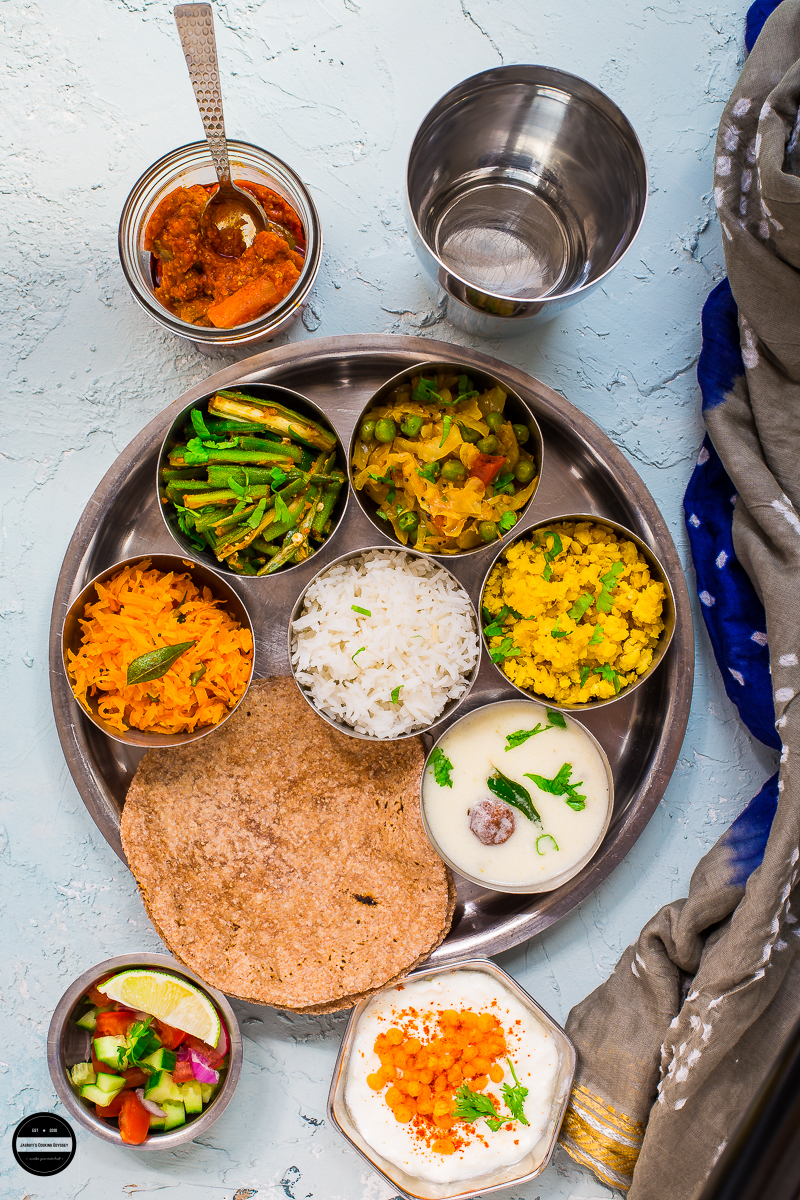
(517,796)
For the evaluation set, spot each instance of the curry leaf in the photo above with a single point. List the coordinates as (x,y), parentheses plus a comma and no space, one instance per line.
(155,663)
(513,793)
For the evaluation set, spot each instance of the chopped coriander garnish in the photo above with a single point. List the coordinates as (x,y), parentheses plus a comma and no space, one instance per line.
(561,786)
(597,636)
(446,423)
(396,693)
(549,555)
(609,674)
(359,651)
(507,521)
(257,517)
(515,1096)
(585,673)
(425,392)
(494,628)
(609,582)
(428,472)
(504,651)
(555,632)
(364,611)
(281,511)
(277,477)
(472,1106)
(198,423)
(580,606)
(556,721)
(442,768)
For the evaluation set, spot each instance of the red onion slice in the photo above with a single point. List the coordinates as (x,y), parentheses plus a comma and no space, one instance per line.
(150,1105)
(202,1071)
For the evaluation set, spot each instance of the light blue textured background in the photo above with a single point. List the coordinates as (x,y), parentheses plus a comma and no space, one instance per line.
(91,92)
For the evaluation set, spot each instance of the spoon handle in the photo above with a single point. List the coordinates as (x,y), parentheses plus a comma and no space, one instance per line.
(196,30)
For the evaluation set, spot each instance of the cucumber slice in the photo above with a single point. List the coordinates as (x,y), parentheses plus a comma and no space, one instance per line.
(176,1114)
(82,1073)
(105,1049)
(207,1091)
(159,1060)
(161,1087)
(96,1095)
(156,1123)
(88,1020)
(110,1084)
(192,1097)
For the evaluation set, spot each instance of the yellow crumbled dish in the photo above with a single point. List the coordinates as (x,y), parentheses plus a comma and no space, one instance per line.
(572,613)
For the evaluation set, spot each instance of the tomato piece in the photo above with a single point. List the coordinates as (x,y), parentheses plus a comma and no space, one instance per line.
(100,998)
(486,466)
(170,1038)
(112,1109)
(135,1077)
(134,1120)
(183,1072)
(114,1024)
(214,1060)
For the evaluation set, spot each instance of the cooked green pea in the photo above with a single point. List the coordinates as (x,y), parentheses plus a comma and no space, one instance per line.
(487,531)
(408,522)
(453,470)
(469,435)
(524,471)
(495,421)
(521,433)
(411,425)
(385,430)
(488,445)
(367,431)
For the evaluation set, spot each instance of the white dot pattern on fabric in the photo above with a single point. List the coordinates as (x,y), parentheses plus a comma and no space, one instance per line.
(784,506)
(763,233)
(694,520)
(788,660)
(721,559)
(703,457)
(724,164)
(759,637)
(783,695)
(707,599)
(749,352)
(747,179)
(731,138)
(633,969)
(741,107)
(784,754)
(766,109)
(781,722)
(719,196)
(737,675)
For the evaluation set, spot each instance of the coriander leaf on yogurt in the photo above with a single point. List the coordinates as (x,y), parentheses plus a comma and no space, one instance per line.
(442,767)
(560,785)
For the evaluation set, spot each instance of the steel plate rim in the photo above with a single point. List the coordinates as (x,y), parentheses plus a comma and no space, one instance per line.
(395,350)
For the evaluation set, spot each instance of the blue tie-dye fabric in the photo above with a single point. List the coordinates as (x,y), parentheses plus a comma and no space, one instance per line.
(733,614)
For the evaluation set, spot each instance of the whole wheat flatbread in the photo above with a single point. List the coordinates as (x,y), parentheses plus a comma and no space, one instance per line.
(285,862)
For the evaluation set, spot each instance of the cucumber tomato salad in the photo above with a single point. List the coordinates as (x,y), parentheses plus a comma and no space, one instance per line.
(159,1050)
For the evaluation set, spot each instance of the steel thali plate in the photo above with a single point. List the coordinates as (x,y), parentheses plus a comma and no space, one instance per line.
(583,472)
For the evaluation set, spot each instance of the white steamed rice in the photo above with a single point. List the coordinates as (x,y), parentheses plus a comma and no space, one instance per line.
(420,636)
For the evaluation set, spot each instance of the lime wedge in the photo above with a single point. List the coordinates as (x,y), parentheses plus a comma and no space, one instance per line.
(168,998)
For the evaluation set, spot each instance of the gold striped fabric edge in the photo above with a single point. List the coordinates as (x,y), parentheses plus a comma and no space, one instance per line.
(599,1137)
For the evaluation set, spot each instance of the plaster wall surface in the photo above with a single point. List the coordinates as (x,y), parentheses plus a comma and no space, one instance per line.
(91,93)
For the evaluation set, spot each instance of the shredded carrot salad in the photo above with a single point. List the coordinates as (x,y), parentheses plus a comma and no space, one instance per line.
(140,610)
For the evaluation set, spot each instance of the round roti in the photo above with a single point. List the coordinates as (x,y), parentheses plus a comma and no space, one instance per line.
(284,862)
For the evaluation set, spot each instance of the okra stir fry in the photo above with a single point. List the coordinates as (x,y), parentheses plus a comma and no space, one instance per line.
(446,468)
(253,482)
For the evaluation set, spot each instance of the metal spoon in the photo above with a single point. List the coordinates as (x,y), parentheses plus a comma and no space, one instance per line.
(232,217)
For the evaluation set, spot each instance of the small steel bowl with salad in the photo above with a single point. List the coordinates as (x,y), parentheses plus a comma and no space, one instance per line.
(142,1053)
(445,460)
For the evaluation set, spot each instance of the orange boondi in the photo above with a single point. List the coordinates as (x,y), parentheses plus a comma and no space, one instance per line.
(205,287)
(140,610)
(425,1077)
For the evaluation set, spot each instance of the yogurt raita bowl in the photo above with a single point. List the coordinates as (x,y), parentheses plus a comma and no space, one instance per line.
(509,1058)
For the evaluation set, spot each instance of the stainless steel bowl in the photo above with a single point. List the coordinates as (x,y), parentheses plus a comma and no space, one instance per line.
(185,167)
(451,705)
(289,399)
(71,640)
(556,881)
(68,1045)
(525,187)
(516,410)
(657,572)
(421,1189)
